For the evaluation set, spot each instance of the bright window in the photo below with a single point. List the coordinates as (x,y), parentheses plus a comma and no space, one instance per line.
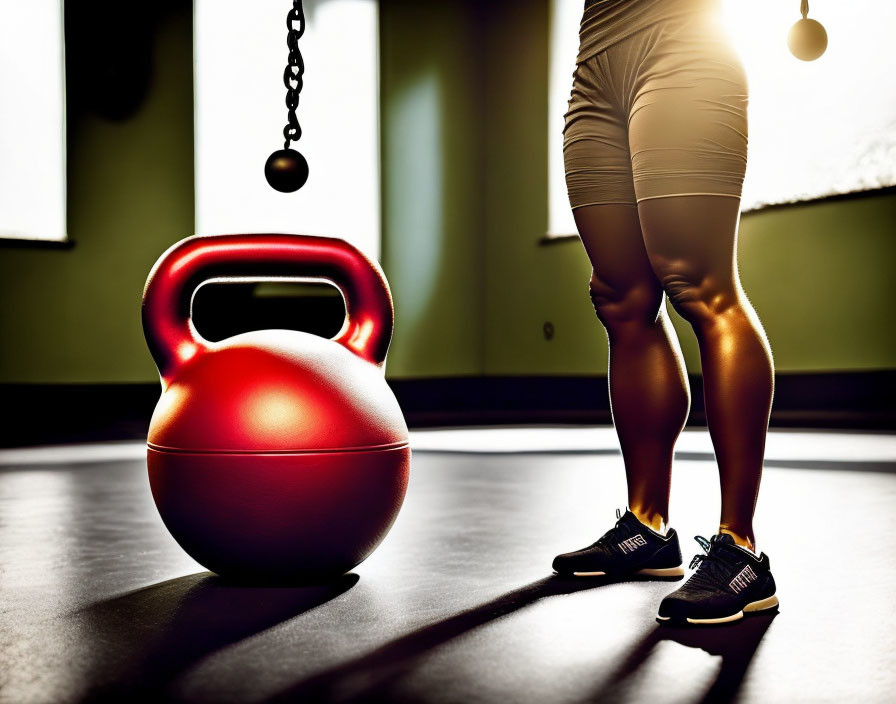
(817,129)
(240,54)
(32,120)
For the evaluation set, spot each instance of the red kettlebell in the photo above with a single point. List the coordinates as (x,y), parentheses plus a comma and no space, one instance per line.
(274,454)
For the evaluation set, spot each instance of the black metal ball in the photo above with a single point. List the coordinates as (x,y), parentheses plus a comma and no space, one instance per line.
(286,170)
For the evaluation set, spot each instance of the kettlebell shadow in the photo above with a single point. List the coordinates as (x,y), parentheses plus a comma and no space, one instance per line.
(151,636)
(370,676)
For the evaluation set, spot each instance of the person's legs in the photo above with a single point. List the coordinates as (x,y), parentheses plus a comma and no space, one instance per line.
(691,242)
(648,384)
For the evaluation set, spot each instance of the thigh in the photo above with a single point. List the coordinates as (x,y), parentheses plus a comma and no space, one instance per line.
(688,120)
(623,275)
(595,141)
(691,242)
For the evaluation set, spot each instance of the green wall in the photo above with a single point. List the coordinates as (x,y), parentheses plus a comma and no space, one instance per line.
(73,315)
(463,128)
(432,175)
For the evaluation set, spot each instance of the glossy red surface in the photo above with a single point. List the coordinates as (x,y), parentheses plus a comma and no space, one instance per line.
(274,453)
(279,516)
(276,391)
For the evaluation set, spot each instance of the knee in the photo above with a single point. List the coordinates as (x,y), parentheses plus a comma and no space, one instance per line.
(615,306)
(698,297)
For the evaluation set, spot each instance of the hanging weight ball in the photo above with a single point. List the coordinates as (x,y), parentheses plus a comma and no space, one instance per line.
(286,170)
(807,39)
(274,454)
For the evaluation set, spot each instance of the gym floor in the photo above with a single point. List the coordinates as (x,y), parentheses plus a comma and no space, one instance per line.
(458,604)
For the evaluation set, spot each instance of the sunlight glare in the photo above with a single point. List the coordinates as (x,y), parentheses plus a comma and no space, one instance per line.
(822,127)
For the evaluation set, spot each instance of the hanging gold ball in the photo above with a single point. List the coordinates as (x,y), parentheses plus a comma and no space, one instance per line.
(286,170)
(807,39)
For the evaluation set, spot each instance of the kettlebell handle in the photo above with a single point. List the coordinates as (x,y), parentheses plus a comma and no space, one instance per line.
(168,295)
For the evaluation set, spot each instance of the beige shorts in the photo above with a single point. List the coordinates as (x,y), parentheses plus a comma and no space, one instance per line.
(660,113)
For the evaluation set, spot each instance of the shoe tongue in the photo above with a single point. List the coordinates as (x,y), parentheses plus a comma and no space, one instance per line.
(722,545)
(630,521)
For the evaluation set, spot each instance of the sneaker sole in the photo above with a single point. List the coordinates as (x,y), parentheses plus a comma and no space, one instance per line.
(649,572)
(751,608)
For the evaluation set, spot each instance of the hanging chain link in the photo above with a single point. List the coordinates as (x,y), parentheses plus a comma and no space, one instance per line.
(294,71)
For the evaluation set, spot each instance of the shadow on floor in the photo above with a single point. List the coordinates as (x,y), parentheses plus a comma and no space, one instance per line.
(736,643)
(145,639)
(369,677)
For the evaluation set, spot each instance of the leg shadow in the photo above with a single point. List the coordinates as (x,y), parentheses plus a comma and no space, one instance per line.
(735,643)
(369,677)
(142,641)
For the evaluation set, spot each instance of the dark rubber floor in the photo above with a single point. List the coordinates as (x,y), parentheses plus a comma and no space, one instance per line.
(98,603)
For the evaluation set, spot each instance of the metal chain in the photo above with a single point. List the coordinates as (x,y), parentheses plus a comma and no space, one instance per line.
(294,71)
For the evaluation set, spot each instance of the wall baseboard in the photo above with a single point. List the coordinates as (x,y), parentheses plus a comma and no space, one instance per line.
(854,400)
(60,413)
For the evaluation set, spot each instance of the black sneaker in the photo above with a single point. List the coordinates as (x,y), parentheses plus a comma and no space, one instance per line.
(628,548)
(729,582)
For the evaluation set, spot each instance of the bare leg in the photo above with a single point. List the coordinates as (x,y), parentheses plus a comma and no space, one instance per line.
(649,393)
(692,244)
